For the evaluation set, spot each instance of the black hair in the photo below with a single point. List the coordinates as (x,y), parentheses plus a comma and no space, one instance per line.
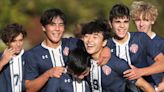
(119,11)
(78,61)
(49,14)
(97,26)
(11,31)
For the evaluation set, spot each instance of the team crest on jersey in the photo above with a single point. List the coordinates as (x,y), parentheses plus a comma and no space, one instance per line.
(134,48)
(106,69)
(66,51)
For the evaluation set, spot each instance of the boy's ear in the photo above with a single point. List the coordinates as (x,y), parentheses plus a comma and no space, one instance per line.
(43,28)
(104,43)
(110,24)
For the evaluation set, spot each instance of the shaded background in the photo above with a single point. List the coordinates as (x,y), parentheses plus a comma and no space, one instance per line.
(27,13)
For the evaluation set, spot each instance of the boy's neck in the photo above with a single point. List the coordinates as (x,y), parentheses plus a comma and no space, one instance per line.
(150,34)
(124,40)
(50,44)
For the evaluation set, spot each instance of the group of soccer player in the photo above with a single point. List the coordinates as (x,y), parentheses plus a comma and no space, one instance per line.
(107,57)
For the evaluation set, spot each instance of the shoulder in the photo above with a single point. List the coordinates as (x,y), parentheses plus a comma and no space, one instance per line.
(138,34)
(158,38)
(70,39)
(114,58)
(35,50)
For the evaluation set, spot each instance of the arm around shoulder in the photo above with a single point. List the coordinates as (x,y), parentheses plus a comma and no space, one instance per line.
(157,67)
(36,84)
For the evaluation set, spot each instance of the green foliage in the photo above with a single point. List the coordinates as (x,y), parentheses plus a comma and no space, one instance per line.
(11,11)
(77,11)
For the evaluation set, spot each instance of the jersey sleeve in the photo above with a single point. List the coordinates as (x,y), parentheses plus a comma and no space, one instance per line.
(151,49)
(162,46)
(31,69)
(118,65)
(53,85)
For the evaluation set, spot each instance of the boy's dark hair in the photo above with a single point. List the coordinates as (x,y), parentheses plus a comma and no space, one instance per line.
(78,61)
(119,11)
(97,26)
(11,31)
(49,14)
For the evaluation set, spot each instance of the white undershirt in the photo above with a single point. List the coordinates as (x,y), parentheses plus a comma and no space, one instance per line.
(122,50)
(16,72)
(57,60)
(56,55)
(95,75)
(78,86)
(153,35)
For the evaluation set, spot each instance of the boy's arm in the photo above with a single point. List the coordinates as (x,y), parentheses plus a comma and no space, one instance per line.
(6,56)
(160,86)
(34,79)
(36,84)
(144,85)
(105,55)
(157,67)
(1,64)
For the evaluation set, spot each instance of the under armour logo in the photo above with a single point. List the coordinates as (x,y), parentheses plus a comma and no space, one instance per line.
(111,50)
(67,80)
(44,56)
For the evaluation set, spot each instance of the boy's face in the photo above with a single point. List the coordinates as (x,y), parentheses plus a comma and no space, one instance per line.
(143,25)
(94,43)
(120,26)
(17,44)
(54,31)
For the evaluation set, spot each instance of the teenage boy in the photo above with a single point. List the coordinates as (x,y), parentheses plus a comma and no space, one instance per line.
(47,59)
(12,59)
(144,16)
(73,81)
(108,77)
(133,46)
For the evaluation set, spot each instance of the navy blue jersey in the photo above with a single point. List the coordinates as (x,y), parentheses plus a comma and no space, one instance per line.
(140,46)
(159,42)
(5,78)
(65,84)
(38,59)
(112,80)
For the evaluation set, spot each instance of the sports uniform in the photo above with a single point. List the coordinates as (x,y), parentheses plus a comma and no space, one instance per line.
(11,76)
(67,84)
(134,51)
(109,77)
(160,44)
(41,58)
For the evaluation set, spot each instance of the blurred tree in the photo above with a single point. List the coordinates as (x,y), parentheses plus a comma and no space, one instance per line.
(11,11)
(27,12)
